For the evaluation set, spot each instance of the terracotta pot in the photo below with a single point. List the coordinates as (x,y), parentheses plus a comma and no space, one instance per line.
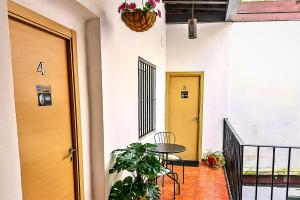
(212,161)
(139,20)
(143,198)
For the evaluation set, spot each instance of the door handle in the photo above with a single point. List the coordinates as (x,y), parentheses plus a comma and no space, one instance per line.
(196,119)
(71,151)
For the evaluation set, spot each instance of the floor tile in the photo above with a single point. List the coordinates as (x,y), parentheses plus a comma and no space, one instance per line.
(201,183)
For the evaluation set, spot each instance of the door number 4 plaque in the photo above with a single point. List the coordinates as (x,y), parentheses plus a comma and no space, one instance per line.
(41,68)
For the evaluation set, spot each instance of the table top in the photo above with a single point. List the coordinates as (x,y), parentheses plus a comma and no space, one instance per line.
(169,148)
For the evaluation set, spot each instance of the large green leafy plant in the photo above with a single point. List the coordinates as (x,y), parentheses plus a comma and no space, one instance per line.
(143,164)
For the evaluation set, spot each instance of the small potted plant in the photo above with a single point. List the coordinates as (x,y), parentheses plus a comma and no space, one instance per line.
(214,159)
(144,166)
(142,18)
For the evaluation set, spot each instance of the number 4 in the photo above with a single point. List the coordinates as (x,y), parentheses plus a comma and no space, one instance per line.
(41,68)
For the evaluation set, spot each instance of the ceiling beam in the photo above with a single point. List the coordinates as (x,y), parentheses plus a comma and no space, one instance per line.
(171,7)
(232,10)
(189,6)
(182,18)
(200,9)
(195,2)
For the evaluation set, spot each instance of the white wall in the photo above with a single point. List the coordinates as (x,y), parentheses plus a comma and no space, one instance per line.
(264,84)
(208,53)
(10,174)
(120,50)
(251,76)
(261,59)
(264,89)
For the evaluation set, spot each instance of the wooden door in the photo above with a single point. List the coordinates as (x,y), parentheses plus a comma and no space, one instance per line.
(41,83)
(183,113)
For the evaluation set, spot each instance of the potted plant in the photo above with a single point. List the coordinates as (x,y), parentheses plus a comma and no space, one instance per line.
(142,162)
(214,159)
(139,19)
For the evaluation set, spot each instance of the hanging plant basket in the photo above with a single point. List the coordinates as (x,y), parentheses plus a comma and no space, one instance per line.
(139,20)
(142,18)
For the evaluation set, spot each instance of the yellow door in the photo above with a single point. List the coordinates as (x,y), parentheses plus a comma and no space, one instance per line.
(40,70)
(183,113)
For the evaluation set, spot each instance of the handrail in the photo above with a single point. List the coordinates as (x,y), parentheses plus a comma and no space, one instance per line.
(272,146)
(234,132)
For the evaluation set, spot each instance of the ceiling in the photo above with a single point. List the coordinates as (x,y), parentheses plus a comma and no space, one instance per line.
(206,11)
(179,11)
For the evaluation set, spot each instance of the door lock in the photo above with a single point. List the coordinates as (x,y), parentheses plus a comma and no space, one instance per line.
(71,151)
(196,119)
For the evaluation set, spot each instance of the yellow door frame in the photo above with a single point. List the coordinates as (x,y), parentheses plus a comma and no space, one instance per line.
(31,18)
(200,111)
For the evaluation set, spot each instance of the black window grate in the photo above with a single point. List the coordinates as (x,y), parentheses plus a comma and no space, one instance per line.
(146,97)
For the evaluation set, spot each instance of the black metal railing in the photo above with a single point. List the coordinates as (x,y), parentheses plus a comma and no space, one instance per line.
(234,149)
(233,152)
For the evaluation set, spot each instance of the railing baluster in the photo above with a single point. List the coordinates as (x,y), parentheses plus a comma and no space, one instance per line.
(257,166)
(143,99)
(241,172)
(273,166)
(288,173)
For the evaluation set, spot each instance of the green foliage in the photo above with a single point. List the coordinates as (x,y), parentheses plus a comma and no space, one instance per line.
(147,6)
(142,162)
(123,190)
(152,192)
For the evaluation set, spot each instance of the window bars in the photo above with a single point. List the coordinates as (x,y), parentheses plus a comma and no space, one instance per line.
(146,97)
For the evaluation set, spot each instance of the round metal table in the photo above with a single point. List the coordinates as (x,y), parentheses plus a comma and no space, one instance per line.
(167,148)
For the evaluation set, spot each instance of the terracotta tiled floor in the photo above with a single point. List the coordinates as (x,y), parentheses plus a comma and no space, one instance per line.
(201,183)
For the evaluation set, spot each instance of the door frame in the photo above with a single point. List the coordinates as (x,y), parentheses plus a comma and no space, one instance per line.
(20,13)
(200,105)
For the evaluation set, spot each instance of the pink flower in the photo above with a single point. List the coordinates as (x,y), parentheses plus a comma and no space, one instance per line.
(157,1)
(132,6)
(122,7)
(159,13)
(152,3)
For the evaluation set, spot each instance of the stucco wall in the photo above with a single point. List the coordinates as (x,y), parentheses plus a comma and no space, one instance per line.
(120,50)
(264,105)
(264,83)
(208,53)
(261,60)
(10,175)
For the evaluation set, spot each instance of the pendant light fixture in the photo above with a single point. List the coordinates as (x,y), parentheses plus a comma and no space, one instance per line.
(192,23)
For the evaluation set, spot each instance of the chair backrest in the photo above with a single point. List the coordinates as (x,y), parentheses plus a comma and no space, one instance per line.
(164,137)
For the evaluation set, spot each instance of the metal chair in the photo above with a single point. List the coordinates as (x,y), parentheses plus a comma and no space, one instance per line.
(169,137)
(173,176)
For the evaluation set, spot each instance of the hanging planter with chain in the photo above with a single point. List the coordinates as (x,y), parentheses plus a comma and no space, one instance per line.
(139,19)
